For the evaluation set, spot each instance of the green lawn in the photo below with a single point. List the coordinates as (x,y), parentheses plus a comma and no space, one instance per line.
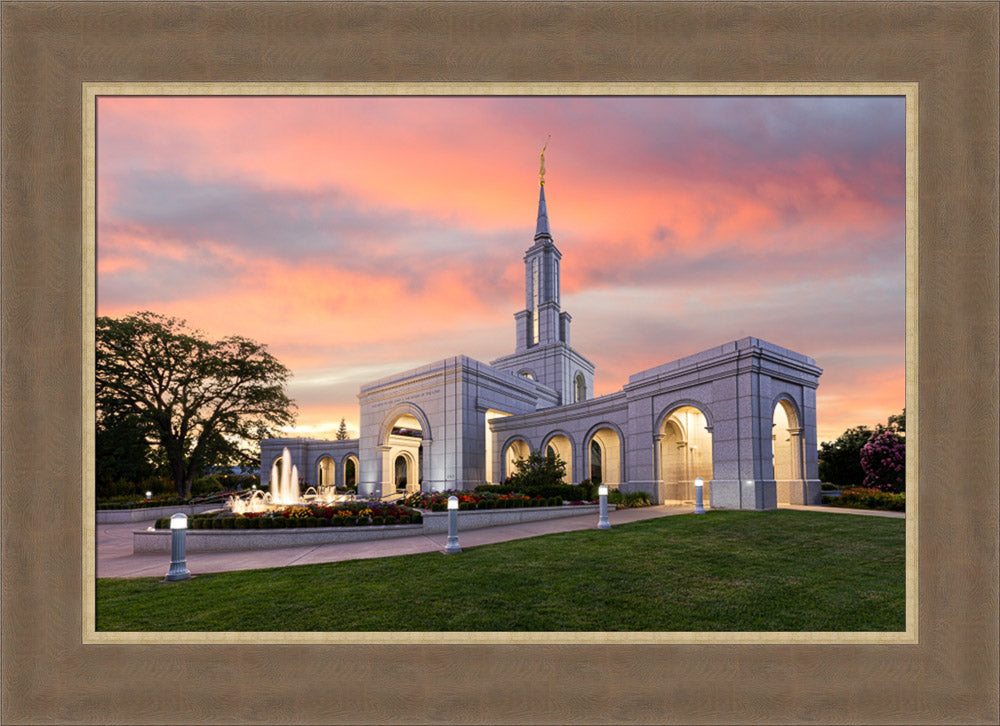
(724,571)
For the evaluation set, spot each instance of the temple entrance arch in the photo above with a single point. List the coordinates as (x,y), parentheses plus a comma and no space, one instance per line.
(685,453)
(403,433)
(603,451)
(516,449)
(786,450)
(326,472)
(560,445)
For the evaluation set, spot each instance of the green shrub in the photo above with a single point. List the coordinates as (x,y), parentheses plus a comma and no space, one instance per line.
(635,499)
(229,523)
(404,519)
(241,523)
(486,504)
(313,521)
(363,521)
(587,489)
(162,523)
(536,471)
(391,520)
(206,485)
(378,521)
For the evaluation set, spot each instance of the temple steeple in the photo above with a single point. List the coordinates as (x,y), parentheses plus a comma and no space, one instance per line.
(542,226)
(543,351)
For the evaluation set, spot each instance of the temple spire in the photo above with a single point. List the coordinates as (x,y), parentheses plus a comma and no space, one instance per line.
(542,227)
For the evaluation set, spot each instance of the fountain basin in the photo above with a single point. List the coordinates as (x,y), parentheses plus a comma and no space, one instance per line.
(230,540)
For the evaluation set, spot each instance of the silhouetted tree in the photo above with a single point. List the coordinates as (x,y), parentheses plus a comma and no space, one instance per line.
(195,399)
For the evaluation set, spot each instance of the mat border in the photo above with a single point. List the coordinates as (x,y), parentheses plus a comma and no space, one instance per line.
(949,49)
(92,91)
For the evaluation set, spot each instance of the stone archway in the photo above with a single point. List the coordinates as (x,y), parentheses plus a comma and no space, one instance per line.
(685,453)
(515,449)
(560,445)
(351,470)
(405,473)
(326,471)
(786,451)
(604,449)
(403,434)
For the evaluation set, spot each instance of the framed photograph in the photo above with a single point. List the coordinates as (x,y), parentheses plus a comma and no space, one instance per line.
(162,92)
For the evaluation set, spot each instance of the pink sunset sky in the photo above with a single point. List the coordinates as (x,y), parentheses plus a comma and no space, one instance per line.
(360,236)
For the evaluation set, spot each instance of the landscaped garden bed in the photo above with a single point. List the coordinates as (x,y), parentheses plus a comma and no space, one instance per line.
(346,514)
(438,501)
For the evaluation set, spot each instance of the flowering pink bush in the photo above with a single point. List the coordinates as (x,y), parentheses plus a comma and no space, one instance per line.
(883,459)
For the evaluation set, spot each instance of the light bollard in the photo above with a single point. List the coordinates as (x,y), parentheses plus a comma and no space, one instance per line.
(699,496)
(178,566)
(452,547)
(603,523)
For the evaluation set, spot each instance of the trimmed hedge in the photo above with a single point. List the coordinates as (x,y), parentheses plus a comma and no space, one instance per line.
(208,521)
(861,498)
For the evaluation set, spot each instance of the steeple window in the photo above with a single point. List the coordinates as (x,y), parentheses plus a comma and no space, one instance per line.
(534,302)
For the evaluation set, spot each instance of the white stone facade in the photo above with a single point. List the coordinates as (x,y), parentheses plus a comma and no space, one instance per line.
(741,416)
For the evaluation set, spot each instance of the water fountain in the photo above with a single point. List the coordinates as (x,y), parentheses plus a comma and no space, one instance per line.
(284,491)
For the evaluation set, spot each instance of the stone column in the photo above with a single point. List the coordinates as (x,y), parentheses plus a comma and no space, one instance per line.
(384,482)
(658,466)
(796,445)
(429,469)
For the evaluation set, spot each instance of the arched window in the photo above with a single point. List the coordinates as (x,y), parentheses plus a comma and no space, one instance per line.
(350,473)
(595,462)
(550,451)
(581,389)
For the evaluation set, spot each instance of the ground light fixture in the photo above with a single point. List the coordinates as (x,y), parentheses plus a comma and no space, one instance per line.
(452,547)
(602,493)
(699,496)
(149,495)
(178,532)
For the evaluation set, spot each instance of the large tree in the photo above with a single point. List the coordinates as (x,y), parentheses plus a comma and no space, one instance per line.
(196,397)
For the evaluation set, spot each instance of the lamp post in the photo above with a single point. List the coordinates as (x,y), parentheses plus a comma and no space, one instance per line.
(452,547)
(603,523)
(148,495)
(699,496)
(178,531)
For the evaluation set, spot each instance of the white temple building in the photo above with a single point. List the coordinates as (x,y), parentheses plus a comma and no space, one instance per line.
(741,416)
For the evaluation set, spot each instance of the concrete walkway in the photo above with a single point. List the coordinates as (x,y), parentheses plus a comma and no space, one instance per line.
(115,558)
